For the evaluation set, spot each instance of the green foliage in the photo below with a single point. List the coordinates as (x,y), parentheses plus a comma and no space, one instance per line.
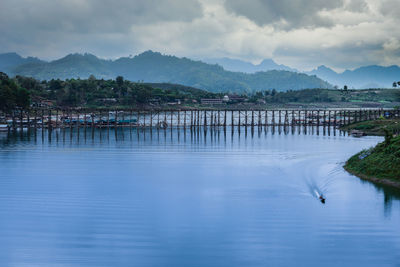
(383,161)
(22,98)
(92,92)
(388,136)
(12,95)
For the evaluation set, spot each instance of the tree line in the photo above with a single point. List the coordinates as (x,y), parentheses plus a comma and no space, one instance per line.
(21,92)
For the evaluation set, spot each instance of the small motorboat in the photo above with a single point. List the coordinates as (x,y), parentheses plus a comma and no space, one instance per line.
(320,196)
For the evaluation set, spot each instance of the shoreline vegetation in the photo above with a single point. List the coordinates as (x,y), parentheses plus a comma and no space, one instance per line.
(379,164)
(24,92)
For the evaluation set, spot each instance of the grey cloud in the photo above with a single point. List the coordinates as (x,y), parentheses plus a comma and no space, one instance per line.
(345,56)
(300,36)
(46,26)
(390,8)
(94,15)
(358,6)
(294,13)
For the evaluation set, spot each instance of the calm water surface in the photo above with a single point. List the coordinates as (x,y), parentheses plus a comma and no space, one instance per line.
(175,198)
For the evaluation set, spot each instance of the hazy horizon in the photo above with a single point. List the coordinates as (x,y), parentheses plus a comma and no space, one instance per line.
(205,60)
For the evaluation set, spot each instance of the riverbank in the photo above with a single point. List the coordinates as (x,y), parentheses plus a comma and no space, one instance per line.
(375,127)
(380,164)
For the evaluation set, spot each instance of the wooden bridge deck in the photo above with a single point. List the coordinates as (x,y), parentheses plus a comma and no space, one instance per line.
(60,118)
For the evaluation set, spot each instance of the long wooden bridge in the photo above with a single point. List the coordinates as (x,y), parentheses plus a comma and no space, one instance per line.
(189,118)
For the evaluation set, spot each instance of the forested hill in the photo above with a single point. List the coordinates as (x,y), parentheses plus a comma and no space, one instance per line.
(154,67)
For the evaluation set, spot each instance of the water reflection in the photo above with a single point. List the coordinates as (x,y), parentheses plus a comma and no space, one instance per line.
(172,197)
(211,134)
(197,135)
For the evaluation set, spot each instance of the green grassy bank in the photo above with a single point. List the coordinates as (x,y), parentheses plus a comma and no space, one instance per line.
(380,164)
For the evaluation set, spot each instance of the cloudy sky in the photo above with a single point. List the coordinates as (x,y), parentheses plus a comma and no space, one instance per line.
(299,33)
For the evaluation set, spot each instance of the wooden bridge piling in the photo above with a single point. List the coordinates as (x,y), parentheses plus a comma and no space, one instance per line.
(211,118)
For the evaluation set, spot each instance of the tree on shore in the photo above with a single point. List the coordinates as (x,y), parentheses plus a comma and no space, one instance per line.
(11,95)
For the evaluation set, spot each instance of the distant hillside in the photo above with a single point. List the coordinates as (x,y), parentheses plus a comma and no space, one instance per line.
(9,61)
(154,67)
(364,77)
(247,67)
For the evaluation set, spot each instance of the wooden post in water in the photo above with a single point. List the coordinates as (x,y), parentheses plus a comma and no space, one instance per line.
(49,125)
(225,118)
(335,120)
(299,117)
(116,119)
(92,117)
(84,119)
(279,118)
(130,120)
(28,120)
(305,117)
(13,120)
(266,118)
(239,123)
(205,118)
(329,118)
(343,113)
(233,120)
(292,117)
(286,117)
(35,120)
(42,119)
(108,119)
(21,124)
(184,120)
(273,117)
(259,119)
(56,118)
(252,119)
(348,117)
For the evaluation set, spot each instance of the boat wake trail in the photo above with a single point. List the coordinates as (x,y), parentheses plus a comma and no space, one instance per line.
(321,187)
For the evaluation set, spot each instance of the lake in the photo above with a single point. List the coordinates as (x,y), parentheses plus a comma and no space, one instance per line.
(191,198)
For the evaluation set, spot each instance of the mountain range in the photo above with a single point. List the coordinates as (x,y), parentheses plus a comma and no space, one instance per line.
(247,67)
(364,77)
(154,67)
(361,78)
(216,75)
